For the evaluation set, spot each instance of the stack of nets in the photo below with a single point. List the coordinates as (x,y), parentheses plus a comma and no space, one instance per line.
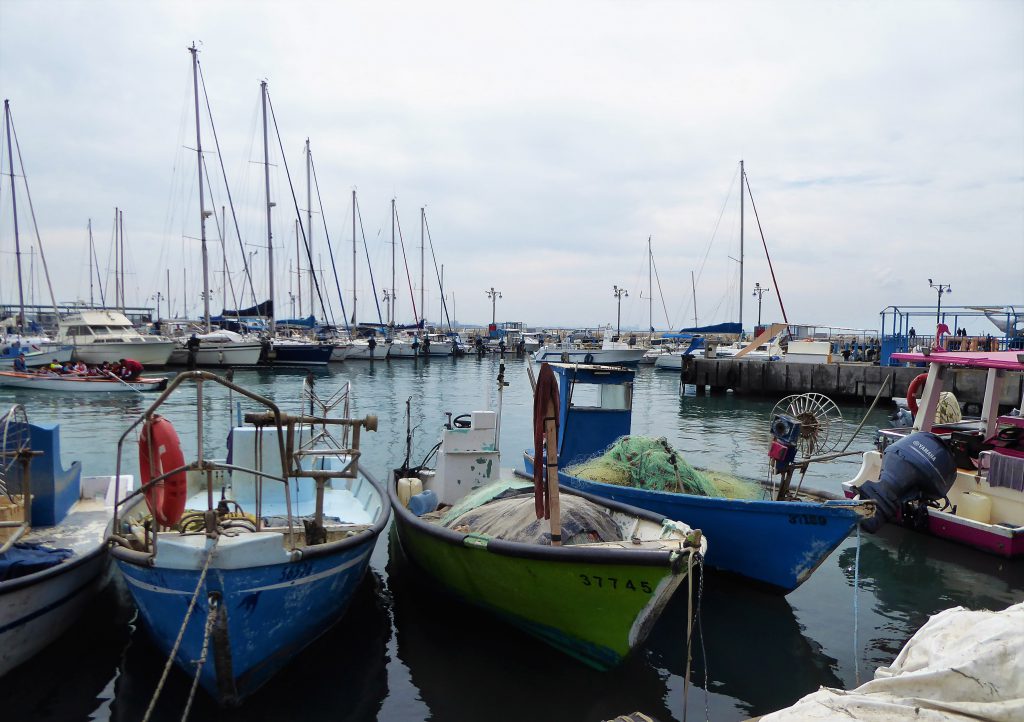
(645,463)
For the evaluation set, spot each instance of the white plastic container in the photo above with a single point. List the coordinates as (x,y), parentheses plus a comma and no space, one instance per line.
(408,488)
(975,506)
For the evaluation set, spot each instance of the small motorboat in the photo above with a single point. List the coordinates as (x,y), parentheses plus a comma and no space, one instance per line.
(52,538)
(962,480)
(243,562)
(71,383)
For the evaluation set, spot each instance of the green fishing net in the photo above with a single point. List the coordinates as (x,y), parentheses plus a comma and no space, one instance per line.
(646,463)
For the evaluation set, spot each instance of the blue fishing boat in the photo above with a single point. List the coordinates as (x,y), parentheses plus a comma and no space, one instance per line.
(775,543)
(236,565)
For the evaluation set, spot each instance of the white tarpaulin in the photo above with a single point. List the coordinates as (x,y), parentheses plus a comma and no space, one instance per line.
(961,665)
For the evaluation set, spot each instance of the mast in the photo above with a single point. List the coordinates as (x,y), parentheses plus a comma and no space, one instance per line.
(266,181)
(13,203)
(224,258)
(121,226)
(298,269)
(743,175)
(309,232)
(391,310)
(693,284)
(117,258)
(91,301)
(202,210)
(354,259)
(423,307)
(650,286)
(168,293)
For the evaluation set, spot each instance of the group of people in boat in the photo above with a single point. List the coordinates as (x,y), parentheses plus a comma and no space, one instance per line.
(125,369)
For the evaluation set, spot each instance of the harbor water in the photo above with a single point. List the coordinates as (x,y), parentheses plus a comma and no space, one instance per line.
(406,651)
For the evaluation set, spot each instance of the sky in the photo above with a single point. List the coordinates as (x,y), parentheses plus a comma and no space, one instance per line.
(547,141)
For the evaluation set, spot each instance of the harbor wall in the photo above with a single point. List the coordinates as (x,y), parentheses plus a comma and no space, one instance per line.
(849,381)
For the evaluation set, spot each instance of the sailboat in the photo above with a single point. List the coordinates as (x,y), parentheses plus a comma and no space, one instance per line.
(401,344)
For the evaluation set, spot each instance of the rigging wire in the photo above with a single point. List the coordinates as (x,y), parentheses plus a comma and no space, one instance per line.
(437,272)
(771,268)
(227,188)
(330,247)
(295,202)
(366,250)
(408,276)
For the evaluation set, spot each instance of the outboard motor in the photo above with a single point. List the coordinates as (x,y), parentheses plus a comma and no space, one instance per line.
(918,467)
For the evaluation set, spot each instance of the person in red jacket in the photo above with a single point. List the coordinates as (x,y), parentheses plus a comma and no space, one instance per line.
(130,369)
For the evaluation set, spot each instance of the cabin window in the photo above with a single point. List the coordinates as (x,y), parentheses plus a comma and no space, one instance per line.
(79,331)
(607,397)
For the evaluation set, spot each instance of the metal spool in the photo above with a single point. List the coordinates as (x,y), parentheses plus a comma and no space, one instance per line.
(15,440)
(821,422)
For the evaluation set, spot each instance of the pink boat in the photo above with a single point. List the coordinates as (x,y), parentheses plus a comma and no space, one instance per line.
(986,499)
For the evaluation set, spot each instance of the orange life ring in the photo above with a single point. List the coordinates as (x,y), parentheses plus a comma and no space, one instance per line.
(159,452)
(912,391)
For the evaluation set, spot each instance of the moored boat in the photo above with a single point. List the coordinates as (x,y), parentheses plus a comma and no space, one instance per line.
(608,352)
(962,481)
(591,581)
(80,384)
(107,336)
(268,546)
(777,544)
(217,348)
(52,527)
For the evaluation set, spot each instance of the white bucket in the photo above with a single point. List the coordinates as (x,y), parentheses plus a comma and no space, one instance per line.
(975,506)
(408,488)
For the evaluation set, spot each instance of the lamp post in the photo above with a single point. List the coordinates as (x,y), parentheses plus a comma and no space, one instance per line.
(618,293)
(941,288)
(758,291)
(494,296)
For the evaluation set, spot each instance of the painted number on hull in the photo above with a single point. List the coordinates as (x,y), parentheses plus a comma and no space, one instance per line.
(812,519)
(592,580)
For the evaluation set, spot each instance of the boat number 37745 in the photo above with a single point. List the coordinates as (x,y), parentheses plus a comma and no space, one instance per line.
(812,519)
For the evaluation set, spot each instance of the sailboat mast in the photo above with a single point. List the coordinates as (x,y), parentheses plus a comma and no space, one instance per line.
(650,286)
(117,258)
(298,268)
(91,301)
(354,258)
(202,210)
(120,225)
(266,182)
(693,284)
(391,310)
(743,175)
(423,307)
(309,230)
(14,207)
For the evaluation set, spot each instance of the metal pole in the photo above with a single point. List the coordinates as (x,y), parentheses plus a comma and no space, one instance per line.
(354,259)
(423,307)
(298,268)
(202,210)
(742,179)
(650,286)
(91,301)
(14,206)
(391,311)
(309,231)
(266,182)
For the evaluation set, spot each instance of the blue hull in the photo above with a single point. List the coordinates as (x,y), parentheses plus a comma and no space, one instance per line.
(269,614)
(776,543)
(302,354)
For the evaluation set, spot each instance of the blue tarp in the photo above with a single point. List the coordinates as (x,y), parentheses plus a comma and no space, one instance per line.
(28,558)
(717,328)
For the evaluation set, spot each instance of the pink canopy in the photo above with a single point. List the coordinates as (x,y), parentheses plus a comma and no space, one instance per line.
(1011,360)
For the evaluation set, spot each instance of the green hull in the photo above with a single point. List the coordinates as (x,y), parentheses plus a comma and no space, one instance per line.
(595,609)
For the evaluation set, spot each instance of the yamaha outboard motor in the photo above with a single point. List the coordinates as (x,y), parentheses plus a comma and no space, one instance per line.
(918,467)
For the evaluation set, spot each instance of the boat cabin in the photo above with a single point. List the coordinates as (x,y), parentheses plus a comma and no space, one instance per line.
(595,409)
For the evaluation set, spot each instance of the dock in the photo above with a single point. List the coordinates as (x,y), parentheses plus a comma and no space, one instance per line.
(846,381)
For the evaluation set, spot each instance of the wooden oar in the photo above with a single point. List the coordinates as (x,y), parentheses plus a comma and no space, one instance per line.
(551,439)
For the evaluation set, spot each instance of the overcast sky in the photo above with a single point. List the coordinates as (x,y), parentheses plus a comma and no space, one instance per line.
(884,144)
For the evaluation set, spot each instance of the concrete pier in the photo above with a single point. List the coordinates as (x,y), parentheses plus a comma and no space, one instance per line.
(848,381)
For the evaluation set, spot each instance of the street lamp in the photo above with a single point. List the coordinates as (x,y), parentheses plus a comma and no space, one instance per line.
(758,291)
(619,293)
(494,296)
(941,288)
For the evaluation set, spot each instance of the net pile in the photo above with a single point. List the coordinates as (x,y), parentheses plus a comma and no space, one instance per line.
(646,463)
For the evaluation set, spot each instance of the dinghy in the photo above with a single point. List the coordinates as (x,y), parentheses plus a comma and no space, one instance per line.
(69,383)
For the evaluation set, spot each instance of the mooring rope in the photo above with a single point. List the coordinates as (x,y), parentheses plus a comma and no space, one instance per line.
(181,634)
(210,619)
(856,589)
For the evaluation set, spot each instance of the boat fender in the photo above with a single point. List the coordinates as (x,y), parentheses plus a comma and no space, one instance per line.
(159,452)
(917,383)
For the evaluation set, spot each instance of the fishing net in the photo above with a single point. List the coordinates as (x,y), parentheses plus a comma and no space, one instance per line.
(515,519)
(646,463)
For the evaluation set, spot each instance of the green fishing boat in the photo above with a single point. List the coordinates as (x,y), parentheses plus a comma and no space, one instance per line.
(591,579)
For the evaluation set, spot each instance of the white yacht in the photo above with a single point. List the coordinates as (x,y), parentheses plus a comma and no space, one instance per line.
(100,336)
